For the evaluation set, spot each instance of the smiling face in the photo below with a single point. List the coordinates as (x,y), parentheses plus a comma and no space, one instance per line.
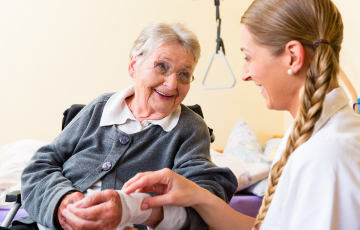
(270,73)
(157,96)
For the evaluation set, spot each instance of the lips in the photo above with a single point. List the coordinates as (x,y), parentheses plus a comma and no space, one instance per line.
(261,87)
(162,94)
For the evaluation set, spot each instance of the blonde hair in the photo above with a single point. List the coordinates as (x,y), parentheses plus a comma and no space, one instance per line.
(159,33)
(274,23)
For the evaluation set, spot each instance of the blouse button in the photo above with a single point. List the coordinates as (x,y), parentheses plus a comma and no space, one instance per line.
(106,166)
(124,140)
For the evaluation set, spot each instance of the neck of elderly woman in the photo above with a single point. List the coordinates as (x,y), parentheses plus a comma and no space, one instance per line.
(142,113)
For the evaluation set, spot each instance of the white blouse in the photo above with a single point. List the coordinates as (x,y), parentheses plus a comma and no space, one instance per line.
(320,185)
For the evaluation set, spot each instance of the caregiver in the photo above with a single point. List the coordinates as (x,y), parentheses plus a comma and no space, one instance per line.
(292,53)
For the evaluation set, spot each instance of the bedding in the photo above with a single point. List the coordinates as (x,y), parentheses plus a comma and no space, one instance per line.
(246,171)
(13,159)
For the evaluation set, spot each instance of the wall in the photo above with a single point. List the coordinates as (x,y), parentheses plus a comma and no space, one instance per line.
(57,53)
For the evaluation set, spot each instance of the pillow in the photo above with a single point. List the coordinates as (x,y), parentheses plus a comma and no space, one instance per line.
(258,188)
(243,143)
(246,171)
(13,159)
(270,148)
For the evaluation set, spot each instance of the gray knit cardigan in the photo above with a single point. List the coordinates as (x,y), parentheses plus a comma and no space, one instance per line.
(74,161)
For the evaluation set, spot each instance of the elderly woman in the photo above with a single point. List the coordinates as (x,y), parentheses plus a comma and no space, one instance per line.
(117,135)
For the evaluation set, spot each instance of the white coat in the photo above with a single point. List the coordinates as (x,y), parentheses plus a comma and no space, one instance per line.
(320,185)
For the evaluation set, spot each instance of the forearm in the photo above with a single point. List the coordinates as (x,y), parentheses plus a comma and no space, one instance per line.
(218,214)
(157,215)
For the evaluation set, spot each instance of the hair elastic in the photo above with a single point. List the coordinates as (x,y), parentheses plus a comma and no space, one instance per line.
(320,41)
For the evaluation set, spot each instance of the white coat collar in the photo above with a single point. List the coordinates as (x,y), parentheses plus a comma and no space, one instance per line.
(334,101)
(116,112)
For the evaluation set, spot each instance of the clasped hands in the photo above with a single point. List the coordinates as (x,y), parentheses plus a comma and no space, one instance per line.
(101,210)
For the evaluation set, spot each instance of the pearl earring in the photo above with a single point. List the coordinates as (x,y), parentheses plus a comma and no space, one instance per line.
(290,72)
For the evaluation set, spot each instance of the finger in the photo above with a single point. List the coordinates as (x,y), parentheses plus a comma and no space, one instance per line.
(65,226)
(68,199)
(76,197)
(158,201)
(75,222)
(148,188)
(147,180)
(135,178)
(159,189)
(94,199)
(140,190)
(93,213)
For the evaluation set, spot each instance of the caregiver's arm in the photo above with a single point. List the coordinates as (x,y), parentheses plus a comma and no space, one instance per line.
(191,145)
(178,191)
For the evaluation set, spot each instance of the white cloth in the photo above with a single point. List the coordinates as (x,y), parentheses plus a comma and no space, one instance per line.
(131,212)
(320,185)
(173,218)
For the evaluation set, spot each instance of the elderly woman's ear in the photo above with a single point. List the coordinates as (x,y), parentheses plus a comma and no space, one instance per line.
(131,69)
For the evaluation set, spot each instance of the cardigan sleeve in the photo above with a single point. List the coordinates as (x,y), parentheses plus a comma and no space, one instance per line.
(43,183)
(193,161)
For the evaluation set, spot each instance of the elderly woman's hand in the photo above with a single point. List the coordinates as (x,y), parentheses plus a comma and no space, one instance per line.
(101,210)
(175,190)
(68,199)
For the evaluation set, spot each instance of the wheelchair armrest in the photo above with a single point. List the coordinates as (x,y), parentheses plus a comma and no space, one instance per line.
(14,196)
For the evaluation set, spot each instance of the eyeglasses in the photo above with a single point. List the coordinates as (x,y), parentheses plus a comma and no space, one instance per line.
(164,68)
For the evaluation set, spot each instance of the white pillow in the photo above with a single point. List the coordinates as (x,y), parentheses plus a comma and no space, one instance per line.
(13,159)
(243,142)
(247,172)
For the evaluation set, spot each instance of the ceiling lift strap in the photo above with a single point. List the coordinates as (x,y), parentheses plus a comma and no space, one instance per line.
(218,53)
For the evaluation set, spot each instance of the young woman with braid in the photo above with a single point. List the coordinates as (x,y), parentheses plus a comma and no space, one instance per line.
(292,53)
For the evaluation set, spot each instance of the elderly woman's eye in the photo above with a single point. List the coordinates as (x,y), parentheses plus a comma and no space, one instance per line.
(162,68)
(184,77)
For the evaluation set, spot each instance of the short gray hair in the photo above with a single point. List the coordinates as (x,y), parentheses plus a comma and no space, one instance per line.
(157,34)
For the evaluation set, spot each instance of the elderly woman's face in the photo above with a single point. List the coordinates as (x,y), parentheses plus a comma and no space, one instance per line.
(160,94)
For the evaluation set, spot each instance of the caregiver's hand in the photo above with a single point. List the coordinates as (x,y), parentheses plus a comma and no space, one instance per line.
(175,189)
(101,210)
(68,199)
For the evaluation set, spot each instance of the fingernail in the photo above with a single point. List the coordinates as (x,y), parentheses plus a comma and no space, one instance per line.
(144,206)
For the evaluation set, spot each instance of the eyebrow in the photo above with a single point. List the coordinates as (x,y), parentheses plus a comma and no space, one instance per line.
(167,59)
(242,49)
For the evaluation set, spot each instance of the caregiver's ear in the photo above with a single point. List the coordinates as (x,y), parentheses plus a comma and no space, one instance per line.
(295,55)
(132,69)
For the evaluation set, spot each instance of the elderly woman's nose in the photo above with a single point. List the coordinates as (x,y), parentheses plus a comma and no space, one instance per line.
(171,81)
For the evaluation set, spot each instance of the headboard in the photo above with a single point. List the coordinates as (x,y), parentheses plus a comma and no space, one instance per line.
(350,87)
